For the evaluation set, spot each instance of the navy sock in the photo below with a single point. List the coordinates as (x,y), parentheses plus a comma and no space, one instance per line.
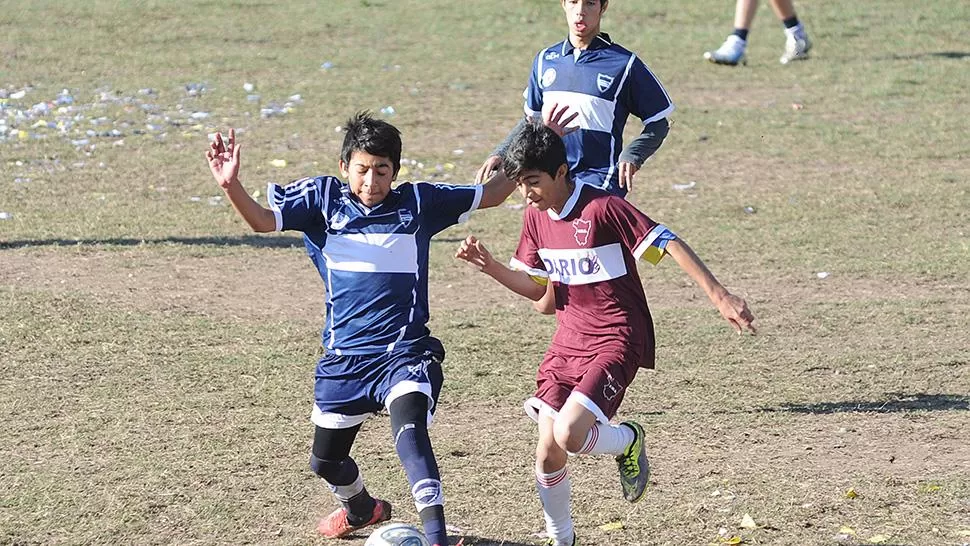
(414,449)
(741,33)
(791,22)
(409,423)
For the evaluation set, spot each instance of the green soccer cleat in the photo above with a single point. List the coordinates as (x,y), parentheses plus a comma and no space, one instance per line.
(552,542)
(634,466)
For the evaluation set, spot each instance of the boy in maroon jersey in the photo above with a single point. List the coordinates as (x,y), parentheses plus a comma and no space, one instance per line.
(586,242)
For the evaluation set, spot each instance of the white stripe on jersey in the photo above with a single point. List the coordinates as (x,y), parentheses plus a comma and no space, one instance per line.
(479,191)
(584,265)
(619,89)
(651,237)
(595,114)
(372,252)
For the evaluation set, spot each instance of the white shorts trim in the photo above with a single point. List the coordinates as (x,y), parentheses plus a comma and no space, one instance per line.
(407,387)
(329,419)
(536,408)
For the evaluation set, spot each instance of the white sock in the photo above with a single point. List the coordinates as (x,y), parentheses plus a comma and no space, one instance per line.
(611,439)
(346,492)
(554,494)
(797,31)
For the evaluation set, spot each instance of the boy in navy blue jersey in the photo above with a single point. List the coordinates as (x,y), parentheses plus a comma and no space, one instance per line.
(604,83)
(369,242)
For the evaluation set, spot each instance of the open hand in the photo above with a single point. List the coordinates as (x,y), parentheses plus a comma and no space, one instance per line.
(474,252)
(224,160)
(553,119)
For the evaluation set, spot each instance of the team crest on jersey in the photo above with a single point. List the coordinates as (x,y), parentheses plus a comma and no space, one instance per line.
(582,231)
(405,216)
(548,77)
(603,82)
(552,55)
(611,388)
(339,220)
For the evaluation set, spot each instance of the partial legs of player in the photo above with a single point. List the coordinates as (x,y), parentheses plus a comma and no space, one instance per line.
(576,430)
(733,50)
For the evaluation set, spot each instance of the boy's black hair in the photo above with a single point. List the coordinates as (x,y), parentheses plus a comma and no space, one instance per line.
(534,147)
(374,136)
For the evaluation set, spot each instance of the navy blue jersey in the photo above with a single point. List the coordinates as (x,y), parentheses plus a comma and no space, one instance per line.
(604,84)
(373,261)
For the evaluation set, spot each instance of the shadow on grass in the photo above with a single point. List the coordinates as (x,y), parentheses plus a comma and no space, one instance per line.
(934,54)
(246,240)
(266,241)
(479,541)
(897,402)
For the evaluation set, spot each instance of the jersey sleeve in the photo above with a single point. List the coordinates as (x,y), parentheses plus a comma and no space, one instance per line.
(444,205)
(526,256)
(300,205)
(639,234)
(533,93)
(644,95)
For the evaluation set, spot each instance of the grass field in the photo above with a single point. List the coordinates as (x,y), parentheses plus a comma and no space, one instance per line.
(156,358)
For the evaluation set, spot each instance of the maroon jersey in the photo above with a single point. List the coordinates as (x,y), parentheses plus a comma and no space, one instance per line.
(589,252)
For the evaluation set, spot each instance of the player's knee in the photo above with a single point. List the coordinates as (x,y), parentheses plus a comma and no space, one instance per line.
(427,493)
(567,437)
(550,457)
(326,469)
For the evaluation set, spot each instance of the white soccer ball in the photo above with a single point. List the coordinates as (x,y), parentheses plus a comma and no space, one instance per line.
(397,534)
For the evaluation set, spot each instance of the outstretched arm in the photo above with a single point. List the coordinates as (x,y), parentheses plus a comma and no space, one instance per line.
(224,162)
(733,308)
(499,187)
(474,252)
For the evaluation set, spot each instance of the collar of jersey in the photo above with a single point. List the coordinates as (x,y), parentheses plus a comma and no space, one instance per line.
(602,41)
(391,195)
(570,204)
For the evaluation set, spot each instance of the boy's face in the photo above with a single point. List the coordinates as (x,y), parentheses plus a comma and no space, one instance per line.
(543,191)
(370,176)
(583,16)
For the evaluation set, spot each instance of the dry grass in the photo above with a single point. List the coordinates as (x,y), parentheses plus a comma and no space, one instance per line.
(155,359)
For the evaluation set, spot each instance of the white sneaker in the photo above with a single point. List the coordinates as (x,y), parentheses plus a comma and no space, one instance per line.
(796,48)
(731,52)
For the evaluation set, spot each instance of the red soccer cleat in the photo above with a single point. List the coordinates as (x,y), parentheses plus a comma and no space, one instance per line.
(336,525)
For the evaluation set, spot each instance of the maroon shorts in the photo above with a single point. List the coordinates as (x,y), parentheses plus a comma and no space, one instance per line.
(598,381)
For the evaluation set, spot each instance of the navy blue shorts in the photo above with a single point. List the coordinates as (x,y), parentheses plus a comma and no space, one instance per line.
(350,388)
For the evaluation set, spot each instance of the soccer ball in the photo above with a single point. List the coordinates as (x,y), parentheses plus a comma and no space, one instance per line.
(397,534)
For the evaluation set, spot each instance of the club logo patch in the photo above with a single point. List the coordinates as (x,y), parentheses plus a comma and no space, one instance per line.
(405,216)
(582,231)
(548,77)
(603,82)
(612,388)
(339,221)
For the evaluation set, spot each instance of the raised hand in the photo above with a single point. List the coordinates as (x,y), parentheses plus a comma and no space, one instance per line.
(474,252)
(224,160)
(553,119)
